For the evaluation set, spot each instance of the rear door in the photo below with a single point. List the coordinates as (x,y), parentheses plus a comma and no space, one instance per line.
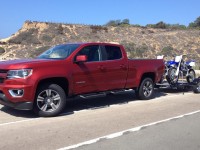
(116,66)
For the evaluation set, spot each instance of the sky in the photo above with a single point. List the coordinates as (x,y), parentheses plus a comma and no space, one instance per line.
(14,13)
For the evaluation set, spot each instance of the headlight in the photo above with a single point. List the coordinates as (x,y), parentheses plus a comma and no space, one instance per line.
(22,73)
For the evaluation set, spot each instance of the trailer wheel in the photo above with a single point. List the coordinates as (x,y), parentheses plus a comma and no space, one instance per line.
(146,89)
(50,100)
(196,88)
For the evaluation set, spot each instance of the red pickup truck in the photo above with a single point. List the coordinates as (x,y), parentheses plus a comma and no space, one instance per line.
(44,84)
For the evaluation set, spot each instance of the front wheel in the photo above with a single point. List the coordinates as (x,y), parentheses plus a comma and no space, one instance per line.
(50,100)
(146,89)
(171,76)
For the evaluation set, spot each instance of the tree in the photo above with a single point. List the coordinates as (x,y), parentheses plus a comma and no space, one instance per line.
(192,25)
(196,23)
(111,23)
(125,21)
(118,22)
(161,25)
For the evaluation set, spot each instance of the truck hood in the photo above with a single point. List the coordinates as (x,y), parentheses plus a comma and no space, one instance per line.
(22,63)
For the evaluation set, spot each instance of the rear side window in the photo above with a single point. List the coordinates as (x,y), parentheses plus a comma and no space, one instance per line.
(112,53)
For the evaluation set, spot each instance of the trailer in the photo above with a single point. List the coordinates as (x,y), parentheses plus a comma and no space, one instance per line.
(175,71)
(182,85)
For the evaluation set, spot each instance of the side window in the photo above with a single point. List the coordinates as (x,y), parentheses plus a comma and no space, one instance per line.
(112,53)
(92,52)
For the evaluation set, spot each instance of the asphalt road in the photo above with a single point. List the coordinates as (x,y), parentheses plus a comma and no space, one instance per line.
(177,134)
(86,120)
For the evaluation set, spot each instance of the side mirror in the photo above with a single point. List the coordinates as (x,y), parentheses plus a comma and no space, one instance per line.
(81,58)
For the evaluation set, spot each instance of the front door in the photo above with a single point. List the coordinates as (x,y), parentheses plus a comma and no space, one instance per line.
(89,76)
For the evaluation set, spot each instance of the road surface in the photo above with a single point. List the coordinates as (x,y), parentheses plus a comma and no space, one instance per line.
(169,121)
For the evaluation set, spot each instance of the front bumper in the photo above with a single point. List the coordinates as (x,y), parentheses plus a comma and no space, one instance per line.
(17,105)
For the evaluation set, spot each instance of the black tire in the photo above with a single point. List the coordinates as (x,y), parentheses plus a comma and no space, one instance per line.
(171,78)
(145,90)
(196,88)
(50,100)
(190,78)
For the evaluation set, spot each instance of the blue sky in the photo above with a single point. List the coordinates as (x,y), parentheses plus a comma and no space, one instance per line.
(14,13)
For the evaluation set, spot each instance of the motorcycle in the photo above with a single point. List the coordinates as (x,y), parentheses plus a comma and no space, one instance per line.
(168,65)
(179,67)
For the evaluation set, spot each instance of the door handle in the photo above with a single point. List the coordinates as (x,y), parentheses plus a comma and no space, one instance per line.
(101,67)
(123,66)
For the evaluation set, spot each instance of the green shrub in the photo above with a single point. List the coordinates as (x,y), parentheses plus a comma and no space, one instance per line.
(28,37)
(124,22)
(129,46)
(2,50)
(60,29)
(176,26)
(54,29)
(167,51)
(140,51)
(39,50)
(135,51)
(96,29)
(161,25)
(195,24)
(46,38)
(136,25)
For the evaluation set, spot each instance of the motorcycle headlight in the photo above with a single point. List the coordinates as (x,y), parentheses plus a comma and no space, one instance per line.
(22,73)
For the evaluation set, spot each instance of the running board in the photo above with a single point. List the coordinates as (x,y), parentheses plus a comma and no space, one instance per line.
(103,94)
(120,91)
(93,95)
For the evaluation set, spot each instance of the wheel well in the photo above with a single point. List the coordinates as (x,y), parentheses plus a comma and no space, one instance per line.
(61,81)
(148,75)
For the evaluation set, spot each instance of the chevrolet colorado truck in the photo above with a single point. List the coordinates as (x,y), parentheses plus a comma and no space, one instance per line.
(45,84)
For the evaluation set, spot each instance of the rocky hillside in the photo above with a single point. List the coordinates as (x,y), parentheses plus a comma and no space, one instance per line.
(35,37)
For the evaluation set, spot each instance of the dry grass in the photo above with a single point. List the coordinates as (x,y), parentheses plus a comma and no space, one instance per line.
(142,42)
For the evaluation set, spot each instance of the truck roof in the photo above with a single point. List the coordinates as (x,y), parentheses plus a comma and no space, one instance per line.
(103,43)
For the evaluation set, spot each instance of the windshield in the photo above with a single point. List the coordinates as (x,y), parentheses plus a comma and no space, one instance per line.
(59,51)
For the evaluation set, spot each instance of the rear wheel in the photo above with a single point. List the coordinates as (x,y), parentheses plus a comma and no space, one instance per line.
(191,76)
(50,100)
(146,89)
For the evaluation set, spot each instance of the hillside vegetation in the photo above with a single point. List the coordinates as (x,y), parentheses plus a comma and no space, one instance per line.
(140,42)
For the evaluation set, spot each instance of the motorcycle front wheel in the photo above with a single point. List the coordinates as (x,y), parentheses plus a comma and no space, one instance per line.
(171,76)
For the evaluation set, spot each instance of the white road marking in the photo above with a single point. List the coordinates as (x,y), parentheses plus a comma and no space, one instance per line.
(19,121)
(118,134)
